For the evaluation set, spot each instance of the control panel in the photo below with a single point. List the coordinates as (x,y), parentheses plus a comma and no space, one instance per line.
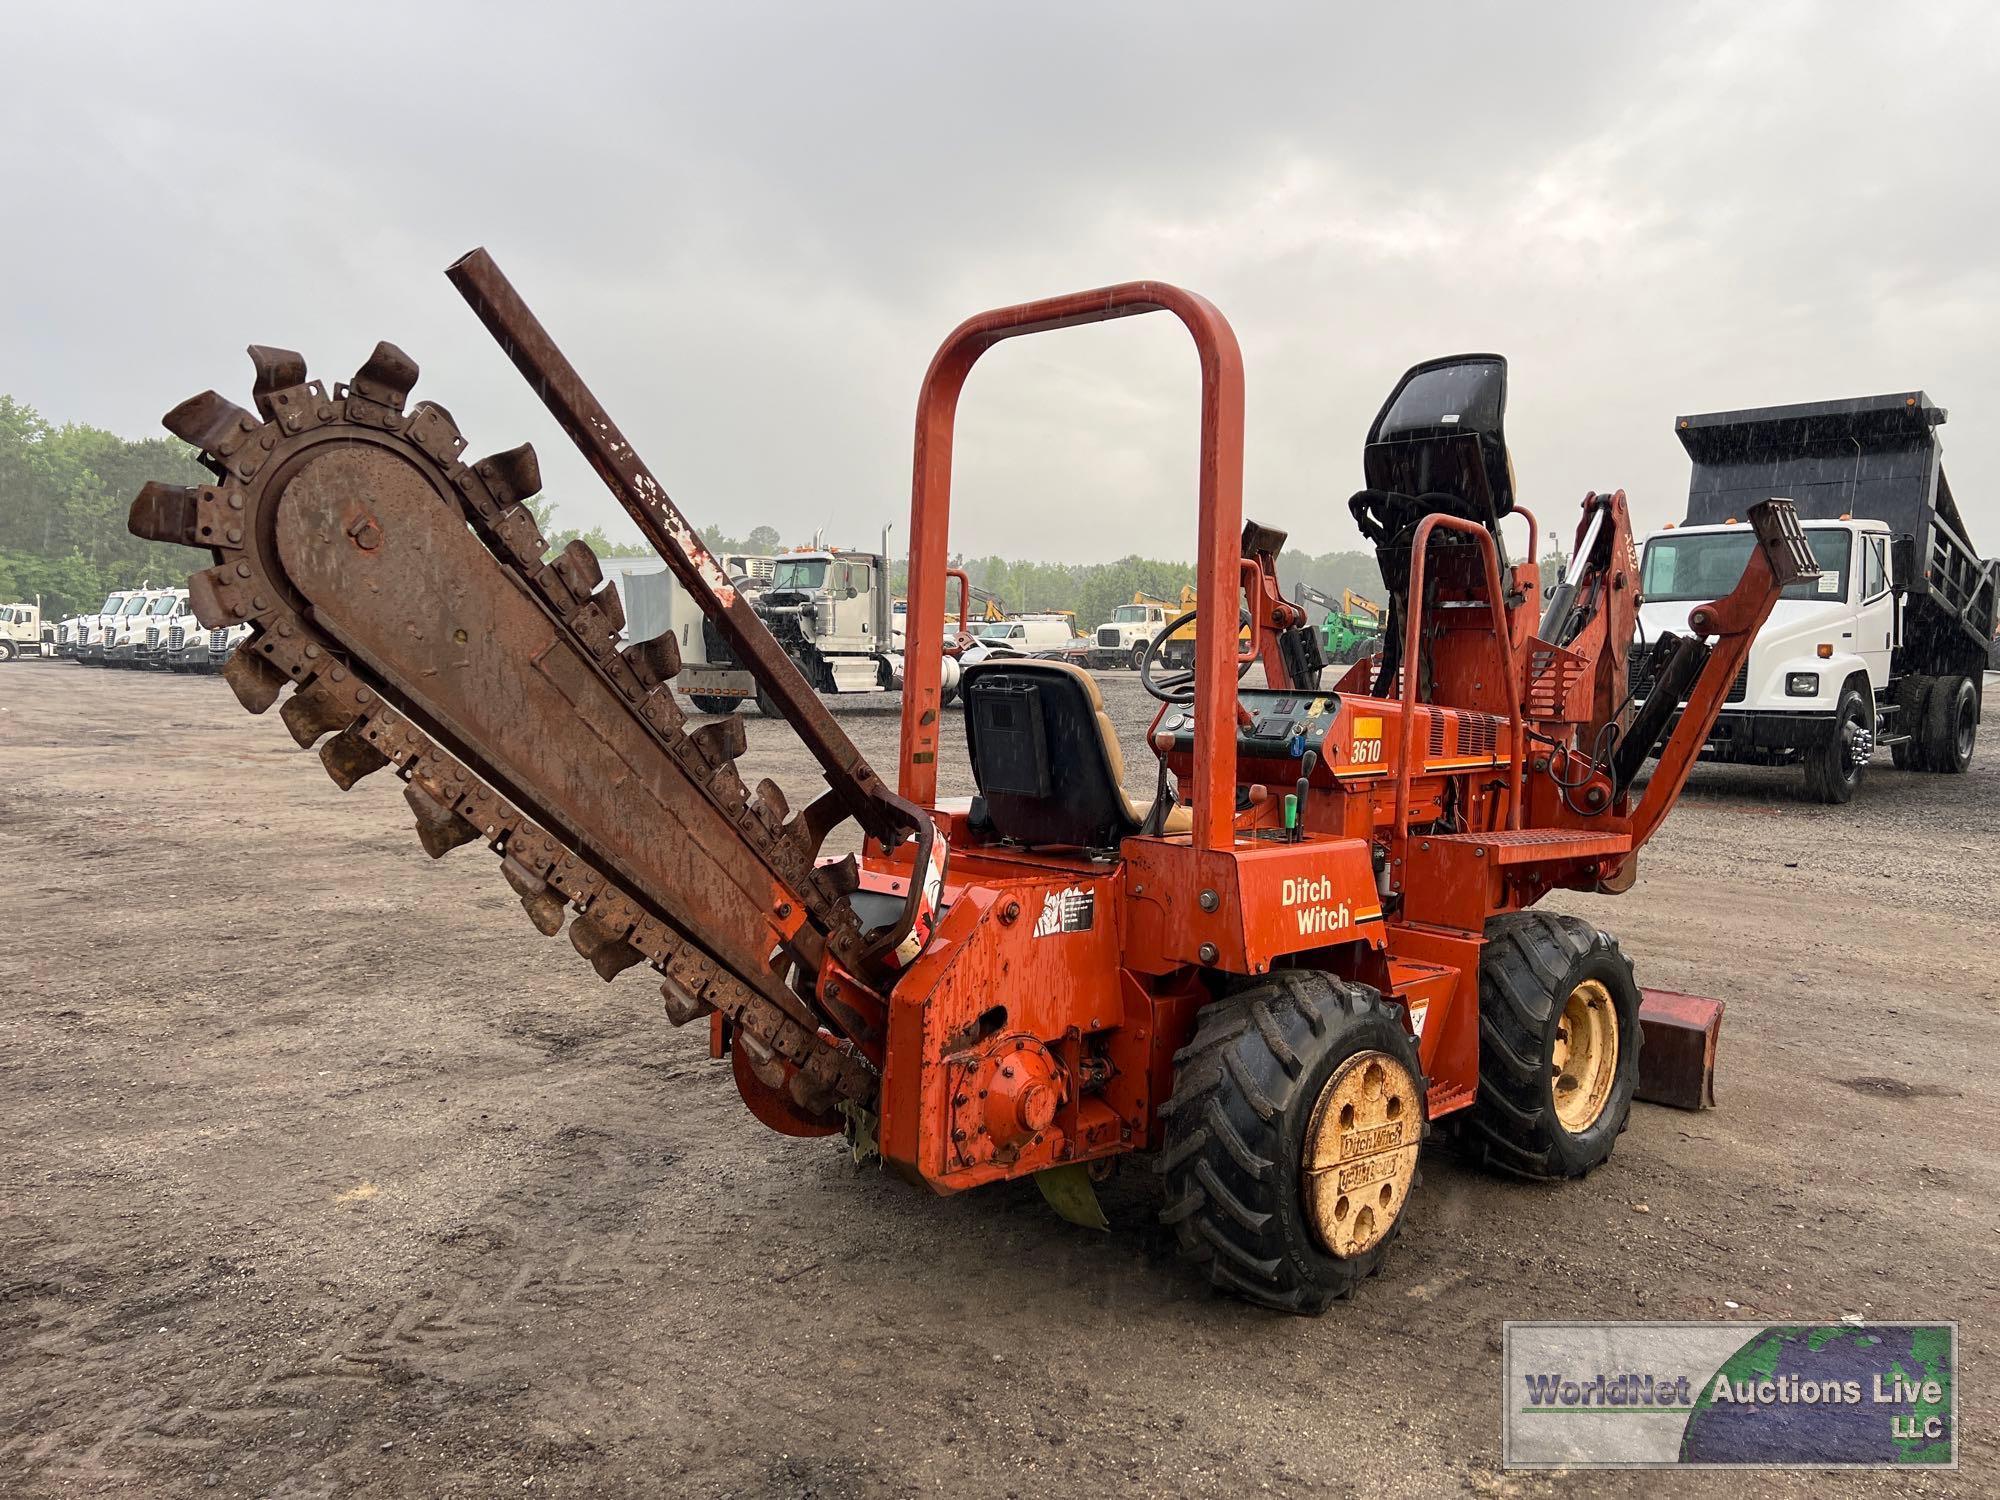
(1283,725)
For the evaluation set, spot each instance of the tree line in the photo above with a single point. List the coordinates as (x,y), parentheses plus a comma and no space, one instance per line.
(65,490)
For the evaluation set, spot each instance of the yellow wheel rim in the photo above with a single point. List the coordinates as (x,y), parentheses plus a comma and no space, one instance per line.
(1361,1152)
(1584,1062)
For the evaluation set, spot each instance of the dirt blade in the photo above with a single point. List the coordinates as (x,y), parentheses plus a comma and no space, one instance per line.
(1677,1057)
(403,596)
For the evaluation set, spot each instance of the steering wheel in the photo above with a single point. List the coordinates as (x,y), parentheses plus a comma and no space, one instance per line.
(1176,686)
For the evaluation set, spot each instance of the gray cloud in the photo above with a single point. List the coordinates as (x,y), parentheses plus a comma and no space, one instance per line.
(751,225)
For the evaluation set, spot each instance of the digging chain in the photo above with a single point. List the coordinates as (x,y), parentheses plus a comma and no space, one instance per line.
(334,695)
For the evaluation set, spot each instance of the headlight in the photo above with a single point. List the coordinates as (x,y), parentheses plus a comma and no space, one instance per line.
(1802,684)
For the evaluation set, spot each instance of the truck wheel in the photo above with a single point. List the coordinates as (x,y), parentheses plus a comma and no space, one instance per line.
(1912,697)
(713,703)
(1292,1138)
(1138,657)
(1834,766)
(1951,726)
(6,650)
(1558,1047)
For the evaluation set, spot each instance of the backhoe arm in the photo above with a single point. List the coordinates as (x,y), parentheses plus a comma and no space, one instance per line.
(1782,557)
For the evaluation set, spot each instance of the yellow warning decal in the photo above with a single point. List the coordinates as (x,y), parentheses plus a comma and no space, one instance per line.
(1367,742)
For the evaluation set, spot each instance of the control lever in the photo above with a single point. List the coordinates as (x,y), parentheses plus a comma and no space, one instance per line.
(1295,814)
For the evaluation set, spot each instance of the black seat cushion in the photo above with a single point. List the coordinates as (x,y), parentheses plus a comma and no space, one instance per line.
(1045,755)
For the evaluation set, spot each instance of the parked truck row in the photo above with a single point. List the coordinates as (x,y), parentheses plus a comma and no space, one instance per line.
(142,627)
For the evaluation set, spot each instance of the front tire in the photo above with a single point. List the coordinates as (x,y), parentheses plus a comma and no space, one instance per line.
(1137,659)
(1558,1047)
(1834,766)
(6,650)
(714,703)
(1292,1139)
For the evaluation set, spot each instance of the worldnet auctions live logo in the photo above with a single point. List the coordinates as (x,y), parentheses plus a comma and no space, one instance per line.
(1729,1395)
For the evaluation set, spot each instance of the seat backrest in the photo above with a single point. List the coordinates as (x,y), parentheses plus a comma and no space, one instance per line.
(1045,756)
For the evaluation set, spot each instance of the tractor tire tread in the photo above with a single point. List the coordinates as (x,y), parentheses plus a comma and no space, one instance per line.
(1235,1128)
(1529,963)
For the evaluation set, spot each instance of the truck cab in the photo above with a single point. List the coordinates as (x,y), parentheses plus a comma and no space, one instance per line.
(22,632)
(1121,640)
(186,647)
(1822,664)
(113,623)
(140,634)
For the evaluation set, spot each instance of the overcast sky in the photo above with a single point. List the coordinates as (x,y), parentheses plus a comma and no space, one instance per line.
(750,226)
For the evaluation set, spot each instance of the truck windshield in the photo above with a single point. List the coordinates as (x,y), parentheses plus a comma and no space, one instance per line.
(111,604)
(1130,612)
(1702,565)
(134,605)
(164,605)
(805,574)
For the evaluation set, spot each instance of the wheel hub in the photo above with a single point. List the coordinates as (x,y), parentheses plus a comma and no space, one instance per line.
(1361,1152)
(1584,1060)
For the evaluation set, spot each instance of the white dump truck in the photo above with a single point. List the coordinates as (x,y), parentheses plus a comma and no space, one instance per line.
(1121,640)
(1888,646)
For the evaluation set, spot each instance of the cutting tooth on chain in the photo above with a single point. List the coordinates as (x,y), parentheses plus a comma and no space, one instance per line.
(386,377)
(166,513)
(610,611)
(277,370)
(512,475)
(543,906)
(770,804)
(210,422)
(579,568)
(763,1059)
(655,661)
(314,710)
(721,740)
(439,829)
(681,1005)
(254,680)
(605,948)
(348,757)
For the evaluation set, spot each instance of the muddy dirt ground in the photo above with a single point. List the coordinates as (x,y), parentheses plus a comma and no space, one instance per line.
(321,1173)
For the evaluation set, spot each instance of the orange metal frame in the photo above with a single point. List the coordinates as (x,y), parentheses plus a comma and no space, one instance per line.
(1038,1024)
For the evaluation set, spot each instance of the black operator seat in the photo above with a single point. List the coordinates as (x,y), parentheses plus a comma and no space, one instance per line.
(1046,758)
(1438,445)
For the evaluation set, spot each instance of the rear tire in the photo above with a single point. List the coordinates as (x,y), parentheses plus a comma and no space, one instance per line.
(1549,1106)
(1277,1071)
(1912,698)
(1834,767)
(1951,726)
(714,703)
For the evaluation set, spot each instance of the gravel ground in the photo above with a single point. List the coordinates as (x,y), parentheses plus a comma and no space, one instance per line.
(323,1174)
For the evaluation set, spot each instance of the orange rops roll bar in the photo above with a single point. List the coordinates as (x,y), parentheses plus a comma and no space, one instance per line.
(1503,648)
(1218,540)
